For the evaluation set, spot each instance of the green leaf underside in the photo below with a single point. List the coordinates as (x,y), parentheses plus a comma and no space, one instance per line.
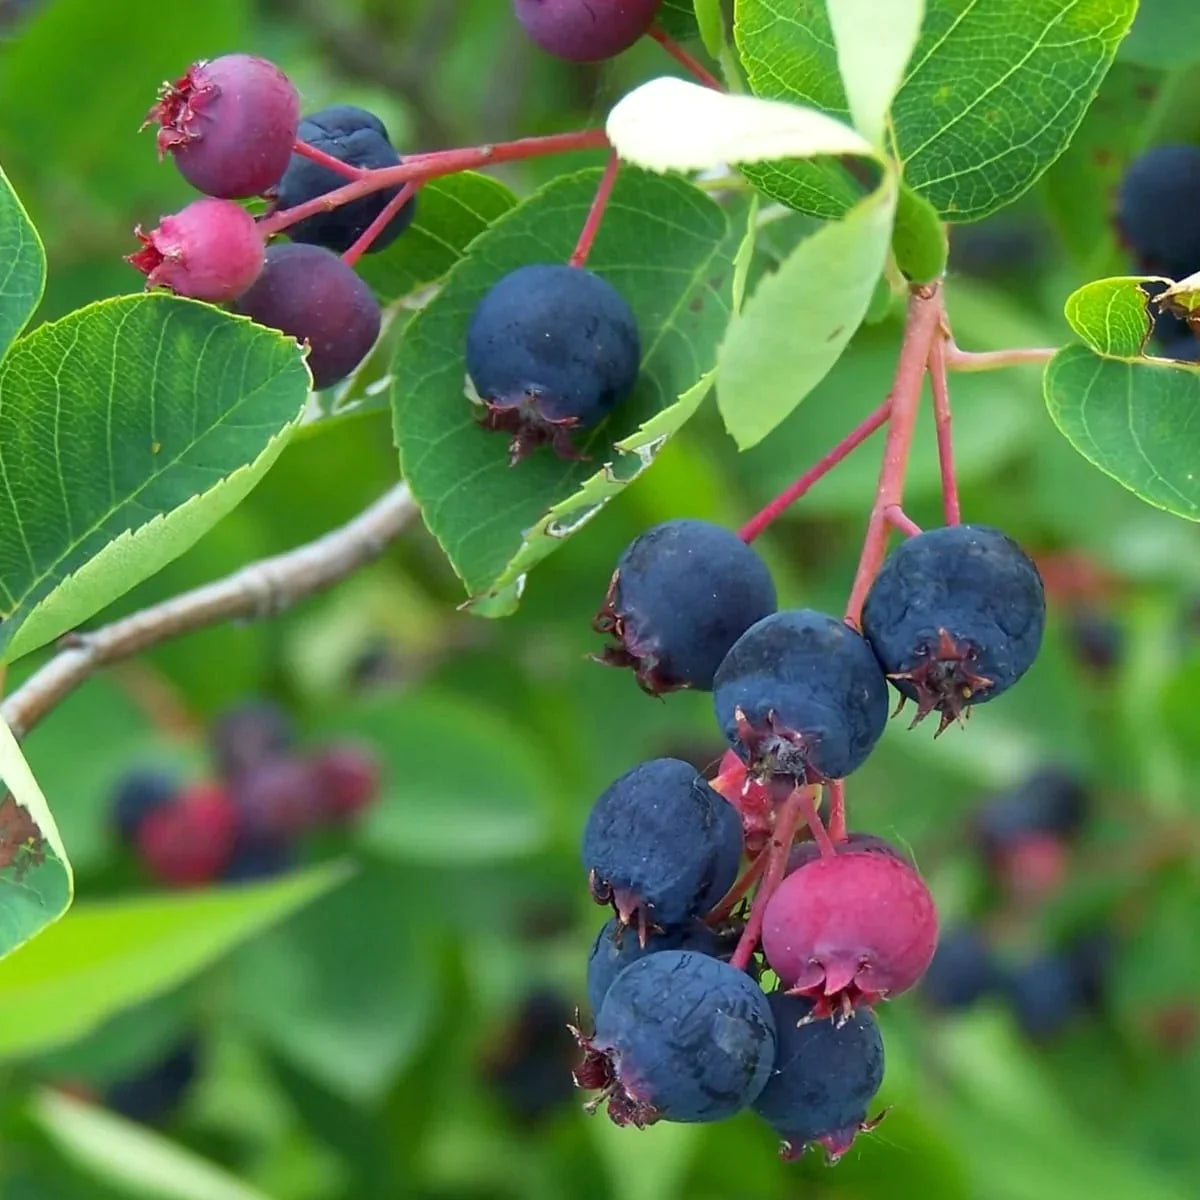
(451,213)
(1110,315)
(36,884)
(22,266)
(1138,421)
(992,95)
(670,251)
(106,956)
(127,429)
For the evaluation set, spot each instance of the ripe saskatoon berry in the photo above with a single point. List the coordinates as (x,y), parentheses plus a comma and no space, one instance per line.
(551,349)
(1046,994)
(661,846)
(800,695)
(136,795)
(358,138)
(682,594)
(1156,210)
(616,948)
(956,618)
(962,971)
(679,1037)
(347,780)
(230,124)
(583,31)
(525,1062)
(312,295)
(191,841)
(1096,639)
(211,250)
(258,858)
(824,1076)
(250,734)
(853,928)
(156,1091)
(1051,802)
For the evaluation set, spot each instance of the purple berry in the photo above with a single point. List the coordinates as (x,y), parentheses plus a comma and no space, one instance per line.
(682,594)
(230,124)
(210,250)
(244,737)
(310,294)
(584,30)
(278,799)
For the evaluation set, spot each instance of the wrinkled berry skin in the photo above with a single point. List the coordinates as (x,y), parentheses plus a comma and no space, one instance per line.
(857,927)
(824,1076)
(956,618)
(308,293)
(190,842)
(583,31)
(358,138)
(136,795)
(551,349)
(248,735)
(679,1037)
(801,695)
(1156,210)
(682,594)
(962,972)
(616,948)
(661,845)
(211,250)
(230,124)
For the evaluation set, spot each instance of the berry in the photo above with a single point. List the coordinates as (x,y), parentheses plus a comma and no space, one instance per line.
(191,841)
(824,1076)
(359,138)
(246,736)
(583,31)
(962,970)
(230,124)
(155,1092)
(258,858)
(1046,994)
(551,349)
(211,250)
(1157,204)
(682,594)
(529,1062)
(679,1037)
(854,928)
(1096,639)
(616,948)
(347,780)
(956,618)
(661,846)
(801,696)
(1049,802)
(136,795)
(278,799)
(310,294)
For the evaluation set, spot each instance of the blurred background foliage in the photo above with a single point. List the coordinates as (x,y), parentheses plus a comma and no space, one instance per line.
(402,1033)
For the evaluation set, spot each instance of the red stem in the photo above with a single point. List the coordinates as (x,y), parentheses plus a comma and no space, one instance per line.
(595,215)
(366,239)
(951,508)
(741,886)
(924,317)
(812,818)
(788,497)
(991,360)
(328,161)
(419,168)
(837,810)
(693,67)
(899,519)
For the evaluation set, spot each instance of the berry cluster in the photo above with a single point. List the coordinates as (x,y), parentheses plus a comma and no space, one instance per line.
(246,822)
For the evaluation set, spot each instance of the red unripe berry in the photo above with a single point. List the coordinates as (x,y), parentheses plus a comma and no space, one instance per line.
(585,30)
(852,928)
(347,780)
(210,250)
(190,842)
(230,124)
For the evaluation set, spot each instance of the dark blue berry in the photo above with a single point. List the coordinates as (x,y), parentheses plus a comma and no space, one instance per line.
(617,947)
(1050,802)
(528,1061)
(661,846)
(1096,639)
(154,1094)
(1046,994)
(824,1076)
(249,735)
(962,972)
(679,1037)
(801,696)
(682,594)
(138,793)
(257,858)
(358,138)
(1157,206)
(956,618)
(551,349)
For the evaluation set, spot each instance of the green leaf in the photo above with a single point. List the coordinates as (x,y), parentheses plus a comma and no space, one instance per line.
(36,884)
(1110,315)
(800,319)
(670,251)
(1165,34)
(451,213)
(127,429)
(22,266)
(678,18)
(711,22)
(1136,421)
(108,955)
(919,239)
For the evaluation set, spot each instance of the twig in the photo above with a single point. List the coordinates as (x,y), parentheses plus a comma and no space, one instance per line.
(951,508)
(258,590)
(837,810)
(899,519)
(344,169)
(693,67)
(383,219)
(595,216)
(993,360)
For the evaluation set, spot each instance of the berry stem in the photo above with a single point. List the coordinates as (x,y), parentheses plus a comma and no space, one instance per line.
(837,810)
(591,226)
(813,819)
(776,857)
(345,169)
(899,519)
(419,168)
(922,326)
(951,508)
(693,67)
(741,886)
(366,239)
(993,360)
(822,467)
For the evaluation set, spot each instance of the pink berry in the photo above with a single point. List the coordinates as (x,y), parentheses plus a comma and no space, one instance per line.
(230,124)
(585,30)
(853,928)
(348,780)
(210,250)
(191,841)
